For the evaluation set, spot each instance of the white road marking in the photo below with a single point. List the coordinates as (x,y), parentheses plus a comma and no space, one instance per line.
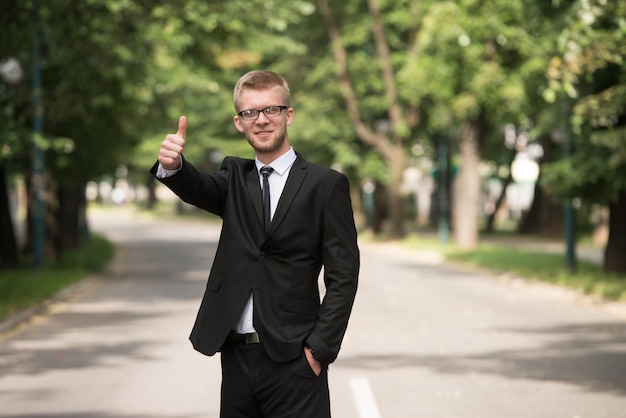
(364,398)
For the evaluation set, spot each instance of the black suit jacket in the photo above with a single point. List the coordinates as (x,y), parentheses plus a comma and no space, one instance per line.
(313,227)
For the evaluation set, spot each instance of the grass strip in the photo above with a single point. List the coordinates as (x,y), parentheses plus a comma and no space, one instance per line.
(589,278)
(26,287)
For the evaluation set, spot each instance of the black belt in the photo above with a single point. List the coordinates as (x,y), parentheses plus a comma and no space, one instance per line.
(251,338)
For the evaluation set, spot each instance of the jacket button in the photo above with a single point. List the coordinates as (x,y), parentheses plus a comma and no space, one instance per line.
(249,289)
(262,254)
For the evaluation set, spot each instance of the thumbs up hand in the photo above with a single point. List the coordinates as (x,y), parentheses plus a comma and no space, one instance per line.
(172,147)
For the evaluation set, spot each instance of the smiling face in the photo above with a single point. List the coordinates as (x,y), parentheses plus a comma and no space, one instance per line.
(267,136)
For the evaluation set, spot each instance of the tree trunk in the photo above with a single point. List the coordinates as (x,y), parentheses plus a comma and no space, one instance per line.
(545,216)
(49,221)
(8,243)
(442,204)
(152,197)
(467,189)
(491,220)
(70,217)
(614,260)
(396,166)
(388,144)
(379,212)
(28,230)
(357,206)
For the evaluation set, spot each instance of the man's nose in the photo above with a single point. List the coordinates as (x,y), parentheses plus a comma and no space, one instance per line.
(262,119)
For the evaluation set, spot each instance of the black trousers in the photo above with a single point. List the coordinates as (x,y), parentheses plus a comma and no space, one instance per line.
(255,386)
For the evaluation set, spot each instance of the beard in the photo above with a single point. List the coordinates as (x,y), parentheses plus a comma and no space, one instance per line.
(275,144)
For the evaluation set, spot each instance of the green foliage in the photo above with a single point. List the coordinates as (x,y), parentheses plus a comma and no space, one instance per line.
(589,69)
(118,74)
(595,172)
(481,60)
(91,55)
(205,49)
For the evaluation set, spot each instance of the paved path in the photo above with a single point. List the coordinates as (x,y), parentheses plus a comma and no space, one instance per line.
(425,340)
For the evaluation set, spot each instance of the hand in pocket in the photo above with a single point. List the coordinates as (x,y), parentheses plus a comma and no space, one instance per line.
(316,366)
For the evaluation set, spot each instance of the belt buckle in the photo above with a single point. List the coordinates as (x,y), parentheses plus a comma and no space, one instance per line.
(252,338)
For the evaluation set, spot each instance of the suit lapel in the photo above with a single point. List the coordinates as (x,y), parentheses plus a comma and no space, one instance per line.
(254,190)
(294,182)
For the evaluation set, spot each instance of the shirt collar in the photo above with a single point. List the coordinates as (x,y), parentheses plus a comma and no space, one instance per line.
(281,164)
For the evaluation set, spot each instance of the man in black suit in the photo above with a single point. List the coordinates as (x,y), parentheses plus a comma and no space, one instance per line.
(283,219)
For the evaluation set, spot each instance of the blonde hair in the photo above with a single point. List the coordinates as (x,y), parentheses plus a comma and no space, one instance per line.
(261,80)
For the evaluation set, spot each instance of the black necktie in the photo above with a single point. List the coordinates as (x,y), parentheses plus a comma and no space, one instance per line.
(267,211)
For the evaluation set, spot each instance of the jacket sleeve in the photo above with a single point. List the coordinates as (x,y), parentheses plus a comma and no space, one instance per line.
(205,191)
(341,262)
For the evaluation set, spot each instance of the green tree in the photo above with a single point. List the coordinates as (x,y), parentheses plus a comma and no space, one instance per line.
(371,45)
(93,56)
(472,72)
(12,149)
(458,69)
(589,71)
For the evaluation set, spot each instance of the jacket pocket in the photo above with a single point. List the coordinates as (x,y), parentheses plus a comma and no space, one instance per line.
(301,306)
(214,284)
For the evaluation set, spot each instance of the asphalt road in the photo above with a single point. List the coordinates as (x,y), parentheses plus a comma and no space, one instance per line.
(426,339)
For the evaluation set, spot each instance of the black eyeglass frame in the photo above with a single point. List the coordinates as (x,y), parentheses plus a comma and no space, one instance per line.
(249,118)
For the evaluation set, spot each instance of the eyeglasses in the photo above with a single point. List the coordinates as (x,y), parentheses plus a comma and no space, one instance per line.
(269,112)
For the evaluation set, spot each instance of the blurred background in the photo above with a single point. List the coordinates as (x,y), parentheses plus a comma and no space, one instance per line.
(455,120)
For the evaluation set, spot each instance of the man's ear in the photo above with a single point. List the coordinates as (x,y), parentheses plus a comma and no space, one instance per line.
(238,123)
(290,116)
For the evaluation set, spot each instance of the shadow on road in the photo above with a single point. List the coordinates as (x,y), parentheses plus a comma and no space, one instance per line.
(589,356)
